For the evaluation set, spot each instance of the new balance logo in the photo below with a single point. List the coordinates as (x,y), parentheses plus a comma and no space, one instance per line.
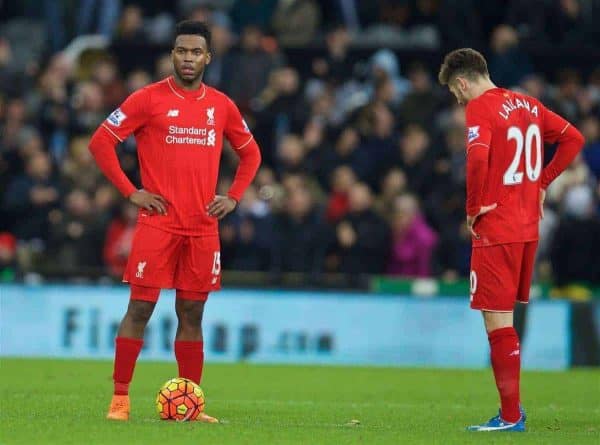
(515,352)
(140,271)
(172,113)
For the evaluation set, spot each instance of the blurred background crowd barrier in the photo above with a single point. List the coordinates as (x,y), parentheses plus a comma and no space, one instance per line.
(297,327)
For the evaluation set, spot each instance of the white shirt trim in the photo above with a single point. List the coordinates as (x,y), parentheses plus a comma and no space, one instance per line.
(203,93)
(112,132)
(565,129)
(173,89)
(478,143)
(244,144)
(180,96)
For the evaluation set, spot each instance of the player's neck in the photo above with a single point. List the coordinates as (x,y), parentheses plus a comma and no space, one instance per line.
(482,86)
(188,86)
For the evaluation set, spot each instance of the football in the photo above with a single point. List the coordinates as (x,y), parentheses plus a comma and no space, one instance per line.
(179,399)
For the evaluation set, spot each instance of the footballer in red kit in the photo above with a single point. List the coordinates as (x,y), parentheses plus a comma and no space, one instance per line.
(506,184)
(179,124)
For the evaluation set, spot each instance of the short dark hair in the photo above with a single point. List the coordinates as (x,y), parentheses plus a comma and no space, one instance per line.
(193,27)
(462,62)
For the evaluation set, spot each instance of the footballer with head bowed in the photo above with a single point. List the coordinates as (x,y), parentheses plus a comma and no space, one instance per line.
(506,187)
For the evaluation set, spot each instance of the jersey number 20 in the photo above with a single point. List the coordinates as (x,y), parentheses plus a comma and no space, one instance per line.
(531,140)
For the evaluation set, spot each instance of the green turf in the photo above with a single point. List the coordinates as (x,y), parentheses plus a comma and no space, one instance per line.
(64,402)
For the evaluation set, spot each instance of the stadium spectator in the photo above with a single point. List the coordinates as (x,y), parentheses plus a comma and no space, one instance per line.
(362,236)
(75,240)
(56,13)
(342,152)
(508,63)
(222,39)
(393,184)
(576,248)
(296,22)
(119,237)
(253,65)
(386,75)
(278,109)
(255,13)
(414,158)
(247,235)
(338,205)
(299,235)
(590,128)
(413,241)
(422,101)
(376,125)
(565,98)
(78,169)
(29,198)
(460,23)
(106,73)
(8,262)
(130,29)
(571,22)
(336,66)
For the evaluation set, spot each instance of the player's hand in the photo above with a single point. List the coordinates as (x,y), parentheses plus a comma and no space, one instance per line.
(149,201)
(482,211)
(221,206)
(542,199)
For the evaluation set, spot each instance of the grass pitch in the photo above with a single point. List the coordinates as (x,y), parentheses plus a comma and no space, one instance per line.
(64,402)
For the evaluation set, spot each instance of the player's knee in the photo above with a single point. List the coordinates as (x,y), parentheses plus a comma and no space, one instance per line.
(189,313)
(497,320)
(139,312)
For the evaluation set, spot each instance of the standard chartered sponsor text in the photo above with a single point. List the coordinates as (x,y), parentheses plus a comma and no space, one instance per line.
(183,136)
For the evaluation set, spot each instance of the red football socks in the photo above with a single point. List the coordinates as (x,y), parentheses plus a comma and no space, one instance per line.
(190,359)
(127,351)
(506,362)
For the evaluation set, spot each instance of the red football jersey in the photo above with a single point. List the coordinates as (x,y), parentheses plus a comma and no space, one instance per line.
(179,137)
(512,127)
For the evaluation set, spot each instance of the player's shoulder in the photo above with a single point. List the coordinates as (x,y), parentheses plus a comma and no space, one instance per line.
(217,95)
(159,87)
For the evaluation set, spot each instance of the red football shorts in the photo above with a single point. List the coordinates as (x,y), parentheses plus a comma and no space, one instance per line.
(165,260)
(501,275)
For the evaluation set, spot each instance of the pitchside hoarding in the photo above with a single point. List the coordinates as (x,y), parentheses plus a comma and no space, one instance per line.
(278,327)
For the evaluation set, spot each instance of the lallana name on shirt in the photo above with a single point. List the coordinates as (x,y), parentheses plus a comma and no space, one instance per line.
(509,106)
(186,136)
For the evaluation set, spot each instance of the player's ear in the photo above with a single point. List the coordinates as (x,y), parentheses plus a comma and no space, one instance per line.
(208,57)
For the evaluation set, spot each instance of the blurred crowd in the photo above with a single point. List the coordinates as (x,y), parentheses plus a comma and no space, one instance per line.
(363,161)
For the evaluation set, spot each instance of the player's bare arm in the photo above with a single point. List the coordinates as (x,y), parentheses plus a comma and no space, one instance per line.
(472,219)
(149,201)
(221,206)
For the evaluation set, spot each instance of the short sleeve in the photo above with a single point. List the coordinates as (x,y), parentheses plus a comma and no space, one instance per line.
(479,128)
(554,125)
(130,116)
(236,130)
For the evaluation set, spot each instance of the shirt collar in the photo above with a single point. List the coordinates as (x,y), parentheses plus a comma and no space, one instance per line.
(182,93)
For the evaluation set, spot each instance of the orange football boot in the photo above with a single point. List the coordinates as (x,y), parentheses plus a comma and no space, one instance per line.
(119,408)
(203,417)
